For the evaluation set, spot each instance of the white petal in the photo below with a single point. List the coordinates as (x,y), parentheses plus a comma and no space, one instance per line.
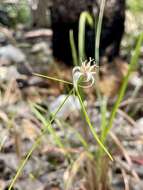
(88,64)
(88,77)
(76,77)
(84,63)
(75,69)
(93,72)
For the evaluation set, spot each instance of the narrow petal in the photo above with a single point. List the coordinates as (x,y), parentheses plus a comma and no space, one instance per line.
(75,69)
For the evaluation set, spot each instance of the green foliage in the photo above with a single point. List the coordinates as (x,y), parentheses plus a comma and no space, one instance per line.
(106,124)
(16,13)
(135,5)
(132,67)
(46,128)
(98,33)
(23,12)
(101,145)
(73,49)
(85,18)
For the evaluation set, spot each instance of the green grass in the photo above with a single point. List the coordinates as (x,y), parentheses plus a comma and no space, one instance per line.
(85,18)
(46,128)
(79,55)
(106,124)
(135,5)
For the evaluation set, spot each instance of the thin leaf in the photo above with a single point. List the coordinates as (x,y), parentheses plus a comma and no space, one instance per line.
(73,48)
(85,17)
(35,145)
(132,65)
(52,78)
(98,32)
(91,127)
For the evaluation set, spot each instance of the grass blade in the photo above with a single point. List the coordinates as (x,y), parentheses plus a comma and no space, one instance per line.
(132,66)
(35,145)
(73,48)
(52,78)
(98,32)
(85,17)
(91,127)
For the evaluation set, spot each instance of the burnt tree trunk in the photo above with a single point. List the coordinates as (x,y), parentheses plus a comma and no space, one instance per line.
(65,16)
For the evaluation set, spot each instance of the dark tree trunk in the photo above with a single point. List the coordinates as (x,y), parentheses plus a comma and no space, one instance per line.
(65,16)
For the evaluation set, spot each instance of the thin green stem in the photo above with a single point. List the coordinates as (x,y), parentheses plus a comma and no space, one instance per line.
(97,44)
(98,31)
(37,142)
(132,65)
(90,125)
(73,48)
(103,116)
(85,17)
(52,78)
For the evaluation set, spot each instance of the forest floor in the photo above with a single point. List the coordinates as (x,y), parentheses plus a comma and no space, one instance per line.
(20,124)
